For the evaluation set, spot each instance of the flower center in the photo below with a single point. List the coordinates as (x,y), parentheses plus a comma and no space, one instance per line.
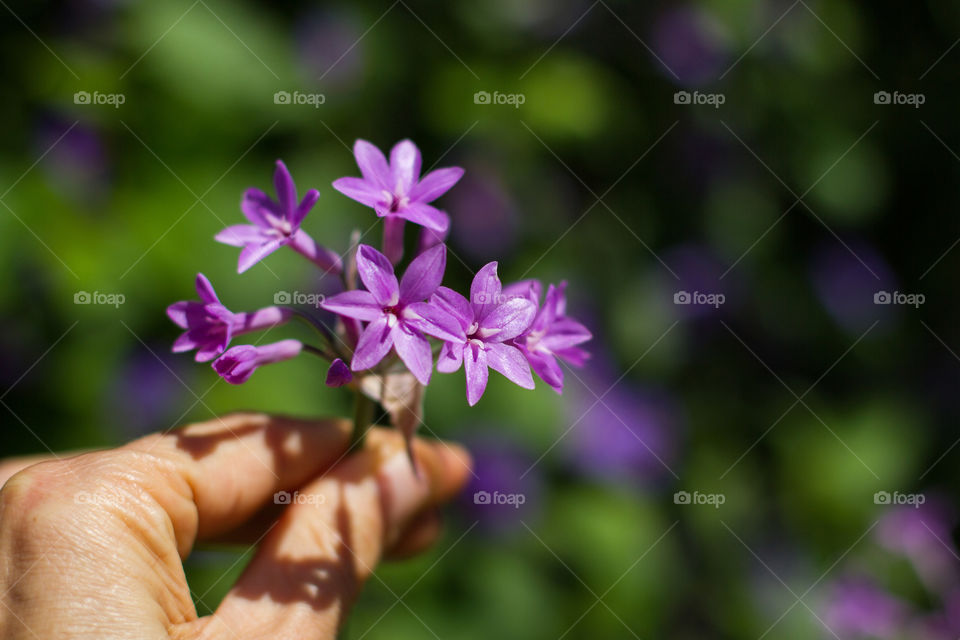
(279,227)
(395,201)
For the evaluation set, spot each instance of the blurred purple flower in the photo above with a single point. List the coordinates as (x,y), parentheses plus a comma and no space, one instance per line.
(846,287)
(396,191)
(210,325)
(237,364)
(487,321)
(629,435)
(924,535)
(330,45)
(485,217)
(858,608)
(74,158)
(505,487)
(146,394)
(396,312)
(697,290)
(276,223)
(689,40)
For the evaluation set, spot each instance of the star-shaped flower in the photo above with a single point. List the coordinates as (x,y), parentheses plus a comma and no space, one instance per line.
(489,321)
(276,223)
(396,312)
(396,190)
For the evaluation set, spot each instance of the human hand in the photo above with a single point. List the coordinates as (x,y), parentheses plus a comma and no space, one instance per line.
(91,546)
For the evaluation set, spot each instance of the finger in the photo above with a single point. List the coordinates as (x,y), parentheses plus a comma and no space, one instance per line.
(12,466)
(419,536)
(310,566)
(233,466)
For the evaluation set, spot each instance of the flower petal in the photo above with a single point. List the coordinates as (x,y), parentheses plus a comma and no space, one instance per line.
(328,260)
(451,357)
(286,190)
(475,368)
(309,199)
(414,350)
(254,253)
(361,190)
(507,320)
(424,275)
(485,290)
(530,289)
(374,344)
(433,321)
(177,312)
(426,216)
(455,304)
(354,304)
(255,204)
(509,361)
(435,184)
(376,272)
(547,367)
(373,165)
(184,342)
(241,235)
(565,333)
(205,290)
(405,165)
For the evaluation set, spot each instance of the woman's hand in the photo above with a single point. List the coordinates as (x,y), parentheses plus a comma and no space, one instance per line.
(91,546)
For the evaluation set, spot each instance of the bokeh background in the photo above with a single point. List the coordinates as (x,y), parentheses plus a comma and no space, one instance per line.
(798,199)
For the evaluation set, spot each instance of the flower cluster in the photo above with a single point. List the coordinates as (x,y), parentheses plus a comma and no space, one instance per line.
(384,328)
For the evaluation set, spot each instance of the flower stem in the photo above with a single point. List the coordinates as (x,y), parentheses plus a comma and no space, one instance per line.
(362,418)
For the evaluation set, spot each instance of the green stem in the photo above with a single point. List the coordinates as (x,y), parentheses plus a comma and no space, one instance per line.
(362,418)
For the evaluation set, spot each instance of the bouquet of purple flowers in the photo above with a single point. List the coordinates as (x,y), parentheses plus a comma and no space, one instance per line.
(384,329)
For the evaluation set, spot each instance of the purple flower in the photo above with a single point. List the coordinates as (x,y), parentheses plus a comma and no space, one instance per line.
(396,192)
(210,325)
(338,374)
(275,224)
(396,312)
(859,608)
(237,364)
(487,322)
(552,334)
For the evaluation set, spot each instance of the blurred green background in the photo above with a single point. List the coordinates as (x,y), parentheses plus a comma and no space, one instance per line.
(797,199)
